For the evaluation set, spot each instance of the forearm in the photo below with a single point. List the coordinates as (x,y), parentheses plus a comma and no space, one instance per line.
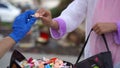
(5,45)
(20,28)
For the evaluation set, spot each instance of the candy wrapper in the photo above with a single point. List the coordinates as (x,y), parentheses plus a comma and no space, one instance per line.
(19,61)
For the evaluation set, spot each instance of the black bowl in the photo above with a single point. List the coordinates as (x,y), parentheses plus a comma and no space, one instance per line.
(18,57)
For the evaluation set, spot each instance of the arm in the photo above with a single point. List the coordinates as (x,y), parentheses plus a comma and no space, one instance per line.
(21,26)
(69,19)
(74,14)
(5,45)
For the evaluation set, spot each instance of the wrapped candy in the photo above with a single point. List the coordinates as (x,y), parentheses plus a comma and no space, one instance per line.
(19,61)
(42,63)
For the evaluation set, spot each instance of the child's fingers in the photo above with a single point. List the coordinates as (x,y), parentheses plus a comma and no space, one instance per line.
(41,12)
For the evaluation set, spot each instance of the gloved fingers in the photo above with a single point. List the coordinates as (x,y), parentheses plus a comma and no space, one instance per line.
(23,18)
(31,22)
(28,14)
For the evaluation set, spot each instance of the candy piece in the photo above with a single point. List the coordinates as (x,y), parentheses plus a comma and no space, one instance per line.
(46,60)
(47,66)
(52,60)
(30,60)
(41,65)
(60,62)
(56,65)
(36,63)
(51,65)
(27,66)
(23,63)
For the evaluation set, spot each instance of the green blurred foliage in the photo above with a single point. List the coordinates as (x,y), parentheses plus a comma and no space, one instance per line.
(57,10)
(6,25)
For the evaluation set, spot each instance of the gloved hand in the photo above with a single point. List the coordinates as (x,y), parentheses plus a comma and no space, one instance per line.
(22,25)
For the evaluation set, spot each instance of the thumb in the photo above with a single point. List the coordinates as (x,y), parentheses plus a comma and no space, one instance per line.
(31,22)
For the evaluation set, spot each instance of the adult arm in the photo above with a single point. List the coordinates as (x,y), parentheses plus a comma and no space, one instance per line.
(21,26)
(5,45)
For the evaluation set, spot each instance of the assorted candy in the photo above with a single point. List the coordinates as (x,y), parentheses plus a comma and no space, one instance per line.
(43,63)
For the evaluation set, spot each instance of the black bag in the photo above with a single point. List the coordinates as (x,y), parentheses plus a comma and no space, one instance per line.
(101,60)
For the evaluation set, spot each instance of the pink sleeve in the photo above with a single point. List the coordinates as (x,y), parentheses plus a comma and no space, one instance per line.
(57,34)
(117,34)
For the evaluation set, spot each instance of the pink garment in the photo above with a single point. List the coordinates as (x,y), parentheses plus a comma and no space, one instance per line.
(94,11)
(106,11)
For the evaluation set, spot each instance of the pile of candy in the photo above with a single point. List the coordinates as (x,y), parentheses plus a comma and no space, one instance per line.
(43,63)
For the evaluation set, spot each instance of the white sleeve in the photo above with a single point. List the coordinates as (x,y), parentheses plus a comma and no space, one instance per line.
(74,14)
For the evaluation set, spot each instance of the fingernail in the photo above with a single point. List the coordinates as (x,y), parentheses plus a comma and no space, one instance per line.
(36,15)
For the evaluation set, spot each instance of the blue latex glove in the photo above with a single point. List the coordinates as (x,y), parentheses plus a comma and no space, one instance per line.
(22,25)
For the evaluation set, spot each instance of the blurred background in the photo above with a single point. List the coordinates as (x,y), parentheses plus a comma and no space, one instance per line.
(38,42)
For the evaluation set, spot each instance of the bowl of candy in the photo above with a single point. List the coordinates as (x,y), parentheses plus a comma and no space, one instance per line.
(18,60)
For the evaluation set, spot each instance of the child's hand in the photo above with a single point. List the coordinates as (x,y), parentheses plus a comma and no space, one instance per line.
(101,28)
(46,17)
